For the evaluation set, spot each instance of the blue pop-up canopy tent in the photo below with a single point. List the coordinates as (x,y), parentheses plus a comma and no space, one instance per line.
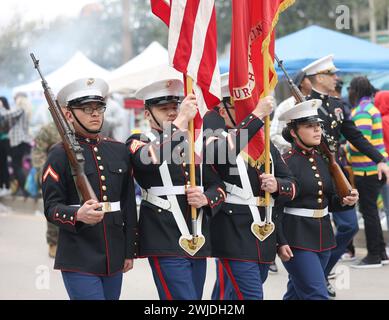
(380,81)
(352,55)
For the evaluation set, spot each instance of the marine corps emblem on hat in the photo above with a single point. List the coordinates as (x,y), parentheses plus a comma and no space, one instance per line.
(305,111)
(161,92)
(323,65)
(82,91)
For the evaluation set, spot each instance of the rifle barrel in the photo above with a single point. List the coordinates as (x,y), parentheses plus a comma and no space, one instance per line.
(281,65)
(36,65)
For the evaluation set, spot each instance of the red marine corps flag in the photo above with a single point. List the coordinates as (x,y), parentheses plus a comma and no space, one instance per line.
(252,73)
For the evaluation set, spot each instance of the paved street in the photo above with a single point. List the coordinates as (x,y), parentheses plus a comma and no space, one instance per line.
(26,270)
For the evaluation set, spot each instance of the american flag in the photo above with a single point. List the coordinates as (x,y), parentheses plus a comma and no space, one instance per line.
(192,50)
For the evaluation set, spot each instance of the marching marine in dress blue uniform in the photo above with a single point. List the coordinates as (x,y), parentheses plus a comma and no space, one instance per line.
(95,246)
(305,235)
(245,258)
(161,168)
(337,122)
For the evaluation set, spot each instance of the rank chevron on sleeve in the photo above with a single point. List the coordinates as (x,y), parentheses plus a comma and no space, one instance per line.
(50,172)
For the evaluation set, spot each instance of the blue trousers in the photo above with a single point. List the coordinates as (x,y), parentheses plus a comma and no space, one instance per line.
(222,289)
(90,287)
(306,275)
(179,278)
(346,228)
(246,279)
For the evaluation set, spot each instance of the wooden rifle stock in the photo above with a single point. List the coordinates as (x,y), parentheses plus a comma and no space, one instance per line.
(342,185)
(351,176)
(72,147)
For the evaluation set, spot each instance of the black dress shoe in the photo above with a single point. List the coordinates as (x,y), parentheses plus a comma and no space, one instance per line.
(273,268)
(384,258)
(331,290)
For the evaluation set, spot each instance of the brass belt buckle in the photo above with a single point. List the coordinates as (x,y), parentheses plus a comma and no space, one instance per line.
(106,206)
(318,213)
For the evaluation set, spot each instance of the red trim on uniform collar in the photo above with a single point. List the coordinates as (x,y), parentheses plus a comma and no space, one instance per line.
(303,150)
(88,140)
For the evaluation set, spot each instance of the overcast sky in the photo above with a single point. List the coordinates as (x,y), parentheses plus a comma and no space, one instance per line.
(39,9)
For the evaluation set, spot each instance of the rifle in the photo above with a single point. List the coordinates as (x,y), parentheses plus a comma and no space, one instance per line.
(342,185)
(72,147)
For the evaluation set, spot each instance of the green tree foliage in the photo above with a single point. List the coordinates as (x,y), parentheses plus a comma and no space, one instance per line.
(13,45)
(98,33)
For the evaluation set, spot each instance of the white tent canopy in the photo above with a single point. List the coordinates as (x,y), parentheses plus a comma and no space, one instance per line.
(141,70)
(154,55)
(78,66)
(131,82)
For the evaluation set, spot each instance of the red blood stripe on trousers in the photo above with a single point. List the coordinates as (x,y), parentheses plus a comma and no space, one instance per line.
(232,278)
(221,280)
(162,279)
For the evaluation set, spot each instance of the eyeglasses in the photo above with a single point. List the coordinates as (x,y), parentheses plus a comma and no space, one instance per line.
(90,110)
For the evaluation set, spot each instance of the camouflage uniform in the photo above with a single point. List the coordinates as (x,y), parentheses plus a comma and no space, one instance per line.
(47,136)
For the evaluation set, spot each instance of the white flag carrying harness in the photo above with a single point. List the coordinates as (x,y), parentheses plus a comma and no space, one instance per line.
(153,194)
(245,196)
